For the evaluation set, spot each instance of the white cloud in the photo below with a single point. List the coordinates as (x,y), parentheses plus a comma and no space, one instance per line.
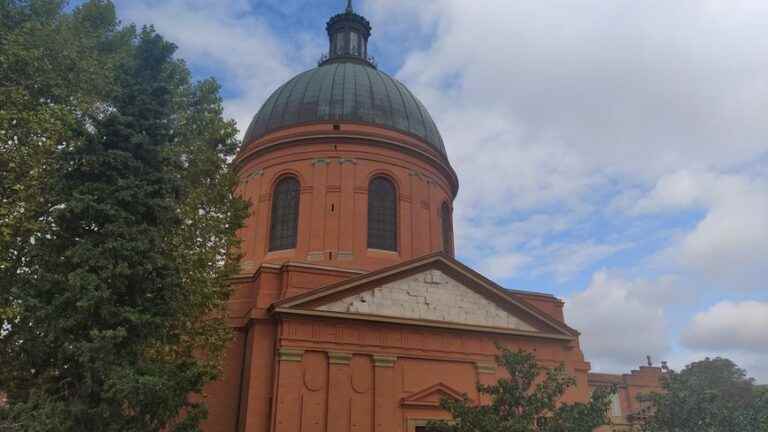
(567,260)
(226,37)
(729,326)
(582,106)
(503,266)
(555,114)
(730,244)
(621,320)
(628,85)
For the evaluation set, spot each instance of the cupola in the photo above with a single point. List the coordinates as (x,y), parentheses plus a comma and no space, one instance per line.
(348,35)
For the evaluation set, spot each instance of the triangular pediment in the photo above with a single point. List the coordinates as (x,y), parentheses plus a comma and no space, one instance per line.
(430,295)
(435,290)
(431,396)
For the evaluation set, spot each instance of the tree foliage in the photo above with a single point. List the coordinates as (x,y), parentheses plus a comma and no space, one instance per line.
(527,400)
(712,395)
(117,222)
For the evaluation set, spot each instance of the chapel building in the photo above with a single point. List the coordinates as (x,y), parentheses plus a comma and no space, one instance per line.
(351,313)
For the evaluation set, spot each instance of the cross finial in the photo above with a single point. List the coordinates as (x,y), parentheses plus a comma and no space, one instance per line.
(349,6)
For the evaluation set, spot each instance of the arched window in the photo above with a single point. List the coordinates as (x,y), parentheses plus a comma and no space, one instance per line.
(285,215)
(382,214)
(447,218)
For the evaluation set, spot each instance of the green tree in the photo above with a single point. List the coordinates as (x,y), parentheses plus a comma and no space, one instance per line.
(117,245)
(526,401)
(761,408)
(712,395)
(55,70)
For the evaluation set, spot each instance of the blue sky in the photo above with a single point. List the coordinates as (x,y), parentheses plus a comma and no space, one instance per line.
(612,153)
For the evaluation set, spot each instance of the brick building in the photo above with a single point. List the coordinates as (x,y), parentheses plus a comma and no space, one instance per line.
(351,313)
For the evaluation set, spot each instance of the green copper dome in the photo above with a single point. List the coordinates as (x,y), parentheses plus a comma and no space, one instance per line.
(345,91)
(346,87)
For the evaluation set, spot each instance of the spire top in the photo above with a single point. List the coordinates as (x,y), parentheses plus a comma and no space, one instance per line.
(349,6)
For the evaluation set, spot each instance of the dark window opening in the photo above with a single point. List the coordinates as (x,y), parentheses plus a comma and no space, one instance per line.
(285,215)
(447,219)
(382,214)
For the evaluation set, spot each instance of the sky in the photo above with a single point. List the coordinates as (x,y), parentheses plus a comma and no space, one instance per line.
(612,153)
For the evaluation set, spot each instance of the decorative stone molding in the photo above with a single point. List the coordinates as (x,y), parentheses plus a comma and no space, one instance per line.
(248,266)
(421,176)
(290,354)
(255,173)
(316,256)
(340,358)
(320,162)
(343,161)
(345,255)
(485,367)
(430,295)
(384,361)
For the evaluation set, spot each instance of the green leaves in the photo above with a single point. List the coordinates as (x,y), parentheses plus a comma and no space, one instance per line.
(526,401)
(117,224)
(712,395)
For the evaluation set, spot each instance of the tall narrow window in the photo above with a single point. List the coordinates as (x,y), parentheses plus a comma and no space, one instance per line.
(353,43)
(285,215)
(339,43)
(447,219)
(382,214)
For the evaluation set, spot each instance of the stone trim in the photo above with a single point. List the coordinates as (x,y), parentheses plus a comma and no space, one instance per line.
(345,255)
(290,354)
(340,358)
(384,361)
(423,323)
(485,367)
(316,256)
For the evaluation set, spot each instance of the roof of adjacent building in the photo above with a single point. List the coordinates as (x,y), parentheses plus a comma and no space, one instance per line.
(346,91)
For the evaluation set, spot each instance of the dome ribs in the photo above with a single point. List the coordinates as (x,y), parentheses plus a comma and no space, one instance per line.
(346,91)
(349,100)
(415,127)
(293,104)
(337,94)
(280,104)
(324,109)
(381,105)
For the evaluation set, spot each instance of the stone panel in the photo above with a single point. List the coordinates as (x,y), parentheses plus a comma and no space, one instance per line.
(430,295)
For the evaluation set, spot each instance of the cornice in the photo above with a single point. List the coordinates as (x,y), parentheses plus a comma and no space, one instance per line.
(269,144)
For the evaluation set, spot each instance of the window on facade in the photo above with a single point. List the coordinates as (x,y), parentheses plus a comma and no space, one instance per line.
(382,214)
(285,215)
(447,220)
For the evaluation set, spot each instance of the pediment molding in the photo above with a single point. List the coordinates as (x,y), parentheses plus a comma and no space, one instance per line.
(431,396)
(532,321)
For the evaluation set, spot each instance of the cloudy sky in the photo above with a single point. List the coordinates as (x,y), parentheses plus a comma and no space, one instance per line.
(614,153)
